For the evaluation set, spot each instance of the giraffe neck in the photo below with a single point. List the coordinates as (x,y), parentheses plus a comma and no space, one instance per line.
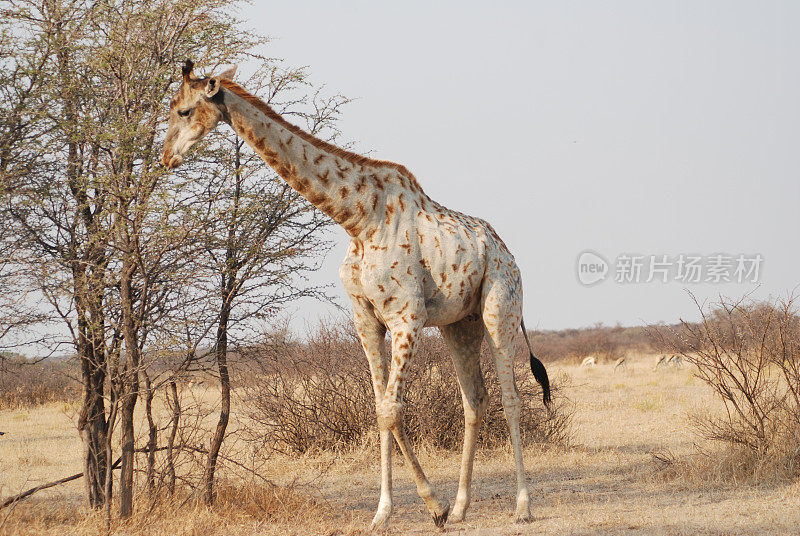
(349,188)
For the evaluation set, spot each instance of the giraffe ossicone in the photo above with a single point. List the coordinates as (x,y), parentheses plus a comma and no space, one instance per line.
(411,263)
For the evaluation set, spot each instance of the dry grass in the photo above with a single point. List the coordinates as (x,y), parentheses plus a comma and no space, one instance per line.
(239,509)
(610,481)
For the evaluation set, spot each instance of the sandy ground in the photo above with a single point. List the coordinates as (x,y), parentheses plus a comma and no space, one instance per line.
(605,482)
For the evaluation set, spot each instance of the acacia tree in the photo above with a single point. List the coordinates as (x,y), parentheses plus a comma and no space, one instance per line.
(103,73)
(139,265)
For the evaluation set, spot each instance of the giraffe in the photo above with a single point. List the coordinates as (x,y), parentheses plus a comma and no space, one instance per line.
(411,263)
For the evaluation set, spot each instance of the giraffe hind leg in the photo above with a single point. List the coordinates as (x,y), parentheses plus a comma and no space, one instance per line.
(502,313)
(464,341)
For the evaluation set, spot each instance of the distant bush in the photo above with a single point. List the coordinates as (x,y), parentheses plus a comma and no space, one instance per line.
(749,354)
(318,396)
(607,343)
(24,384)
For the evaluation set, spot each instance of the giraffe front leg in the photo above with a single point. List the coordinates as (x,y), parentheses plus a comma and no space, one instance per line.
(384,510)
(372,335)
(390,411)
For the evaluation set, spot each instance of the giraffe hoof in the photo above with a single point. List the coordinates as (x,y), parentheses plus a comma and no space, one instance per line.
(381,519)
(458,514)
(441,519)
(524,519)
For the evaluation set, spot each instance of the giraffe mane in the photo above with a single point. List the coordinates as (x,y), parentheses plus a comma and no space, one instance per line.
(351,157)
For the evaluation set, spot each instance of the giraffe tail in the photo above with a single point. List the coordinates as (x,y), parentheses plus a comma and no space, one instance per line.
(537,367)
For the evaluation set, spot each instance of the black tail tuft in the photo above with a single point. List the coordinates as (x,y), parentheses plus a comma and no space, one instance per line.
(540,373)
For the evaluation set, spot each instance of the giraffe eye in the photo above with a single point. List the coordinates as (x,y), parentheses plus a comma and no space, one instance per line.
(184,113)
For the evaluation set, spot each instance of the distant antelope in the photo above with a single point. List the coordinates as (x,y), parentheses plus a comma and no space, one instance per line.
(589,362)
(622,363)
(661,362)
(676,361)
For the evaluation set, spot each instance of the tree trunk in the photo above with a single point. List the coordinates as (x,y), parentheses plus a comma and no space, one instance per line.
(130,387)
(225,409)
(92,423)
(92,427)
(152,435)
(176,416)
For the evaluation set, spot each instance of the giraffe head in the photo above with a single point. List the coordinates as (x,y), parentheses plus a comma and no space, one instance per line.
(194,111)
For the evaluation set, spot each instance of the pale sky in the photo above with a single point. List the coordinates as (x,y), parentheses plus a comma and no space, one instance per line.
(621,127)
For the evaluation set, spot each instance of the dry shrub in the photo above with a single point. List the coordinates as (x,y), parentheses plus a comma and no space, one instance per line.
(309,396)
(318,396)
(749,354)
(235,510)
(730,464)
(24,384)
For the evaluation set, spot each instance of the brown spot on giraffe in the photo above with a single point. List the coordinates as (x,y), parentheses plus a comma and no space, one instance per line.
(361,184)
(317,198)
(343,215)
(389,212)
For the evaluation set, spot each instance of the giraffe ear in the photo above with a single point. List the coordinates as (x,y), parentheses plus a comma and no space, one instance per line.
(212,86)
(228,73)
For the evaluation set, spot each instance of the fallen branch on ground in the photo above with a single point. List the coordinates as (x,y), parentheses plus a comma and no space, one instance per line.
(25,494)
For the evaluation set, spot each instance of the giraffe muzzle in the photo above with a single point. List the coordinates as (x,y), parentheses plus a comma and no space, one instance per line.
(174,161)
